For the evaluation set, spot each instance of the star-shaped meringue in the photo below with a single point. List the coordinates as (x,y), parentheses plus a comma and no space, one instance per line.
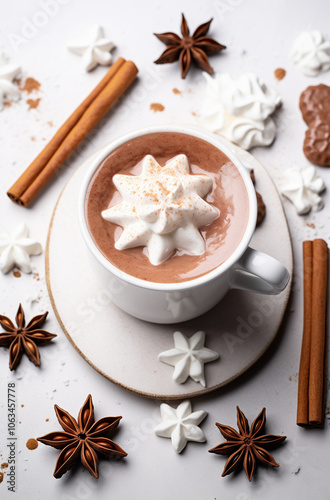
(95,49)
(8,73)
(188,357)
(16,248)
(162,209)
(181,425)
(302,188)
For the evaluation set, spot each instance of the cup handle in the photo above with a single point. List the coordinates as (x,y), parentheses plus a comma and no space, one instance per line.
(258,272)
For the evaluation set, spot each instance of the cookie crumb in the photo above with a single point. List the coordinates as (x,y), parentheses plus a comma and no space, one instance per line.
(30,85)
(279,73)
(32,444)
(156,106)
(33,103)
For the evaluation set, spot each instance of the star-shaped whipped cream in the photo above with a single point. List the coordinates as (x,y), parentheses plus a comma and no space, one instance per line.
(16,248)
(162,209)
(8,73)
(311,53)
(188,357)
(95,49)
(181,425)
(303,189)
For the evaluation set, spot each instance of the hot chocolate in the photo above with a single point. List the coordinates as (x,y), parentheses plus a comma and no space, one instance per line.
(227,197)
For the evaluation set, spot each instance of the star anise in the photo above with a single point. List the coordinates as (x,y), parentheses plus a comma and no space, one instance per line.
(24,339)
(83,440)
(247,447)
(188,48)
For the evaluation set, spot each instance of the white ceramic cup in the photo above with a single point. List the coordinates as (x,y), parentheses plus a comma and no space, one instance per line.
(245,269)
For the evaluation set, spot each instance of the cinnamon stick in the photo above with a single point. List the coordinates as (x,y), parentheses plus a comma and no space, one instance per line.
(311,385)
(303,383)
(73,132)
(318,332)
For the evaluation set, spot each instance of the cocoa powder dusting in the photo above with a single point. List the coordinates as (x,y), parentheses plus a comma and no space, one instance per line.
(32,444)
(156,106)
(33,103)
(17,274)
(30,85)
(279,73)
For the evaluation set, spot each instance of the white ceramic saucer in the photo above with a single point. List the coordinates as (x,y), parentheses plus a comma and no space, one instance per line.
(124,349)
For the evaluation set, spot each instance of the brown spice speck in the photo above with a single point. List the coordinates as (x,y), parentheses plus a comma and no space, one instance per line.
(7,104)
(156,106)
(33,103)
(29,85)
(1,477)
(17,274)
(310,224)
(4,465)
(32,444)
(279,73)
(47,419)
(51,124)
(176,91)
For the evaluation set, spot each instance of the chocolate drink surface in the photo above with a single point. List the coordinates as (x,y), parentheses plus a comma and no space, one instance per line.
(229,195)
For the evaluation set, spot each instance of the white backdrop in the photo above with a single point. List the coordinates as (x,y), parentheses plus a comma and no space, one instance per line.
(258,35)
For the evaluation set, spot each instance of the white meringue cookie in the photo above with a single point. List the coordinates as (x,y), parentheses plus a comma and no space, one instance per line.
(188,357)
(302,188)
(8,73)
(162,209)
(181,425)
(311,53)
(95,49)
(249,133)
(240,109)
(16,248)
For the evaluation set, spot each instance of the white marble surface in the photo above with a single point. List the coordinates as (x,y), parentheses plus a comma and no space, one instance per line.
(259,36)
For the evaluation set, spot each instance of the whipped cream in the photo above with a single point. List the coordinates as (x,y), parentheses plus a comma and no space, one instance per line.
(16,248)
(95,49)
(302,188)
(188,357)
(8,73)
(162,209)
(311,53)
(181,425)
(240,109)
